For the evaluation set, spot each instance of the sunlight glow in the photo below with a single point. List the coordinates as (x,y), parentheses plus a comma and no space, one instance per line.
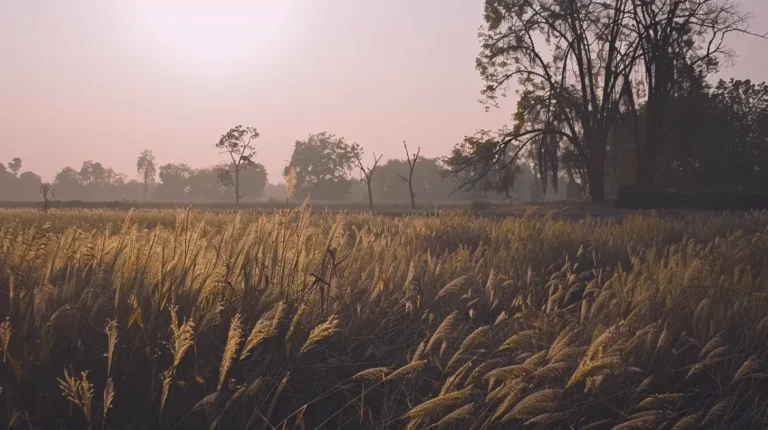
(210,36)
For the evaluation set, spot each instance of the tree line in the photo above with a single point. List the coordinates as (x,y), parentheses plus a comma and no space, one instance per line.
(323,166)
(617,94)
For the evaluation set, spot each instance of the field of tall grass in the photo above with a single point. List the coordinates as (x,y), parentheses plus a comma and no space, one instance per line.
(293,320)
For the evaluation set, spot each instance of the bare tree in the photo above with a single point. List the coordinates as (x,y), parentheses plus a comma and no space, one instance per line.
(48,193)
(145,166)
(368,175)
(240,144)
(411,166)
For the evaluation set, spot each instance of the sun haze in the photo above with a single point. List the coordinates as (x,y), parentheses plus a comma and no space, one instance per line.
(102,80)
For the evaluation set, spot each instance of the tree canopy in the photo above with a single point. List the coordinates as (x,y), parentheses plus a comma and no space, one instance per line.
(323,166)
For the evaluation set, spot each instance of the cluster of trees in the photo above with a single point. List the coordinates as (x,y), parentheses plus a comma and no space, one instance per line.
(614,94)
(322,166)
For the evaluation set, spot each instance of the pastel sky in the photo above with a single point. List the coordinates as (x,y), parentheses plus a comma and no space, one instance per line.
(104,79)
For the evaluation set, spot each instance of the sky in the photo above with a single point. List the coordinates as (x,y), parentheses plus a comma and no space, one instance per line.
(102,80)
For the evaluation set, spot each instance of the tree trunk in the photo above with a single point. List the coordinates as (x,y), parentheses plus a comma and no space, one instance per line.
(370,196)
(648,150)
(596,178)
(645,170)
(413,196)
(237,190)
(144,190)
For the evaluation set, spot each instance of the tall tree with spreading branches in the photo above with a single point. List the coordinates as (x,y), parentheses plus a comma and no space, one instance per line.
(367,175)
(570,59)
(239,143)
(411,158)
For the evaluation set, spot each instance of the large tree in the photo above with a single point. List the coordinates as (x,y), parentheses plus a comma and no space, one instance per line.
(570,58)
(239,143)
(323,164)
(679,43)
(145,166)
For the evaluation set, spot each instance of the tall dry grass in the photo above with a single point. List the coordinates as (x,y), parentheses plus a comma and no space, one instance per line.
(160,319)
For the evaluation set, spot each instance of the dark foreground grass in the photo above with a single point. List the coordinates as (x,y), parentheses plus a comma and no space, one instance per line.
(179,319)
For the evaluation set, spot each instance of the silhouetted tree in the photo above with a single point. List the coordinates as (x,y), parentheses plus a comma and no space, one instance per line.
(570,58)
(14,166)
(367,175)
(27,186)
(253,180)
(172,185)
(679,43)
(239,143)
(145,166)
(48,194)
(323,164)
(411,166)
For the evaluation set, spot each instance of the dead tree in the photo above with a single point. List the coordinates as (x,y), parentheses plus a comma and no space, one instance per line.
(411,166)
(48,194)
(368,176)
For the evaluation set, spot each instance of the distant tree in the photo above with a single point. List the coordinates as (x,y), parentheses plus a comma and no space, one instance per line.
(27,186)
(145,166)
(239,144)
(275,192)
(253,181)
(475,164)
(48,194)
(69,184)
(14,166)
(173,182)
(203,185)
(323,164)
(99,182)
(93,173)
(412,159)
(428,182)
(367,175)
(7,180)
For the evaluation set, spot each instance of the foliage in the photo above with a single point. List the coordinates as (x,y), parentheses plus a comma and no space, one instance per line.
(239,144)
(583,67)
(15,166)
(323,164)
(145,166)
(160,319)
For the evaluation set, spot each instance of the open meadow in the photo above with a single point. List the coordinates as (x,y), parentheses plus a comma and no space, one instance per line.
(181,319)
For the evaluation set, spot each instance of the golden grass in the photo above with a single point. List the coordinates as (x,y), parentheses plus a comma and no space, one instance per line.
(246,320)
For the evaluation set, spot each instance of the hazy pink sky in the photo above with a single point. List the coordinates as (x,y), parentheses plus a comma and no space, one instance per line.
(104,79)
